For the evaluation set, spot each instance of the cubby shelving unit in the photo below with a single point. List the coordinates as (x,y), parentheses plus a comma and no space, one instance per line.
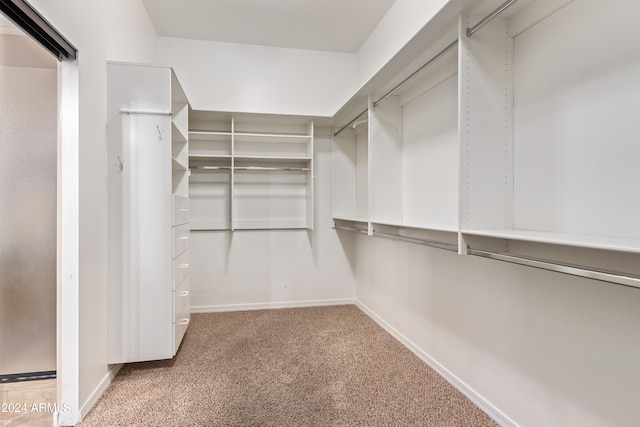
(148,217)
(250,172)
(522,144)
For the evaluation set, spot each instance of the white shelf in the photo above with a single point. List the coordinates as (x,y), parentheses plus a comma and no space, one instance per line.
(265,179)
(209,156)
(270,224)
(577,240)
(427,227)
(271,137)
(350,219)
(203,135)
(271,159)
(177,165)
(207,135)
(270,169)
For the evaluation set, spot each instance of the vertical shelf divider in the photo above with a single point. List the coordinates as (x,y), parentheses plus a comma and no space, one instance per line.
(232,172)
(486,127)
(311,177)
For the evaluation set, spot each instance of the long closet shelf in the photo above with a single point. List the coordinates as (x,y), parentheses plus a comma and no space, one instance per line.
(270,224)
(209,156)
(265,168)
(270,137)
(427,227)
(249,168)
(209,135)
(364,222)
(620,244)
(272,159)
(350,218)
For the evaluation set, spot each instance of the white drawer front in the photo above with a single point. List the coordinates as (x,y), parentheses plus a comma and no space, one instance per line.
(182,312)
(181,268)
(182,301)
(180,210)
(180,239)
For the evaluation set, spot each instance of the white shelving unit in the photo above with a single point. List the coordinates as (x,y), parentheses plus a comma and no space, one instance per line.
(403,170)
(523,144)
(251,172)
(149,286)
(550,152)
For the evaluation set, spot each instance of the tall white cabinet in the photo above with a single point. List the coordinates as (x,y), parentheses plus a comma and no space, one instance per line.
(148,302)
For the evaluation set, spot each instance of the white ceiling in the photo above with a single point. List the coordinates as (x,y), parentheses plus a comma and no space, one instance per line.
(329,25)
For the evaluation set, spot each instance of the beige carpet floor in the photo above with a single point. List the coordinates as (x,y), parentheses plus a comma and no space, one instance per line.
(324,366)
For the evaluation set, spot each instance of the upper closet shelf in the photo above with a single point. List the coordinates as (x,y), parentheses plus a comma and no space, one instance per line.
(428,227)
(578,240)
(270,137)
(272,159)
(209,156)
(207,135)
(356,224)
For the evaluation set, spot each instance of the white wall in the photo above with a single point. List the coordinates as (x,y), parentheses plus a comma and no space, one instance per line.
(403,20)
(221,76)
(545,348)
(275,268)
(121,31)
(233,77)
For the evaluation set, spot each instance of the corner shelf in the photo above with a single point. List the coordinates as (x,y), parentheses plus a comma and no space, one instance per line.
(246,179)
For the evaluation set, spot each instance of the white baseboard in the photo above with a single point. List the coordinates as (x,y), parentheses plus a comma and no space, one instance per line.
(269,305)
(99,391)
(493,412)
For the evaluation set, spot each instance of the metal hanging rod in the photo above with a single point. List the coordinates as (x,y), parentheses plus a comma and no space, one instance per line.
(261,168)
(573,270)
(412,75)
(489,17)
(430,243)
(347,228)
(147,112)
(350,123)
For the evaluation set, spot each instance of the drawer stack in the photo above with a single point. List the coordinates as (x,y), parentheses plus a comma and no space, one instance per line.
(181,269)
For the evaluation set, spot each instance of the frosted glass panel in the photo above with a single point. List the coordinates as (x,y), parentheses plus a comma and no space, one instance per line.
(28,152)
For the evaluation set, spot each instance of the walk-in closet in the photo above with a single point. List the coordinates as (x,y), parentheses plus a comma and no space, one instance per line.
(343,212)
